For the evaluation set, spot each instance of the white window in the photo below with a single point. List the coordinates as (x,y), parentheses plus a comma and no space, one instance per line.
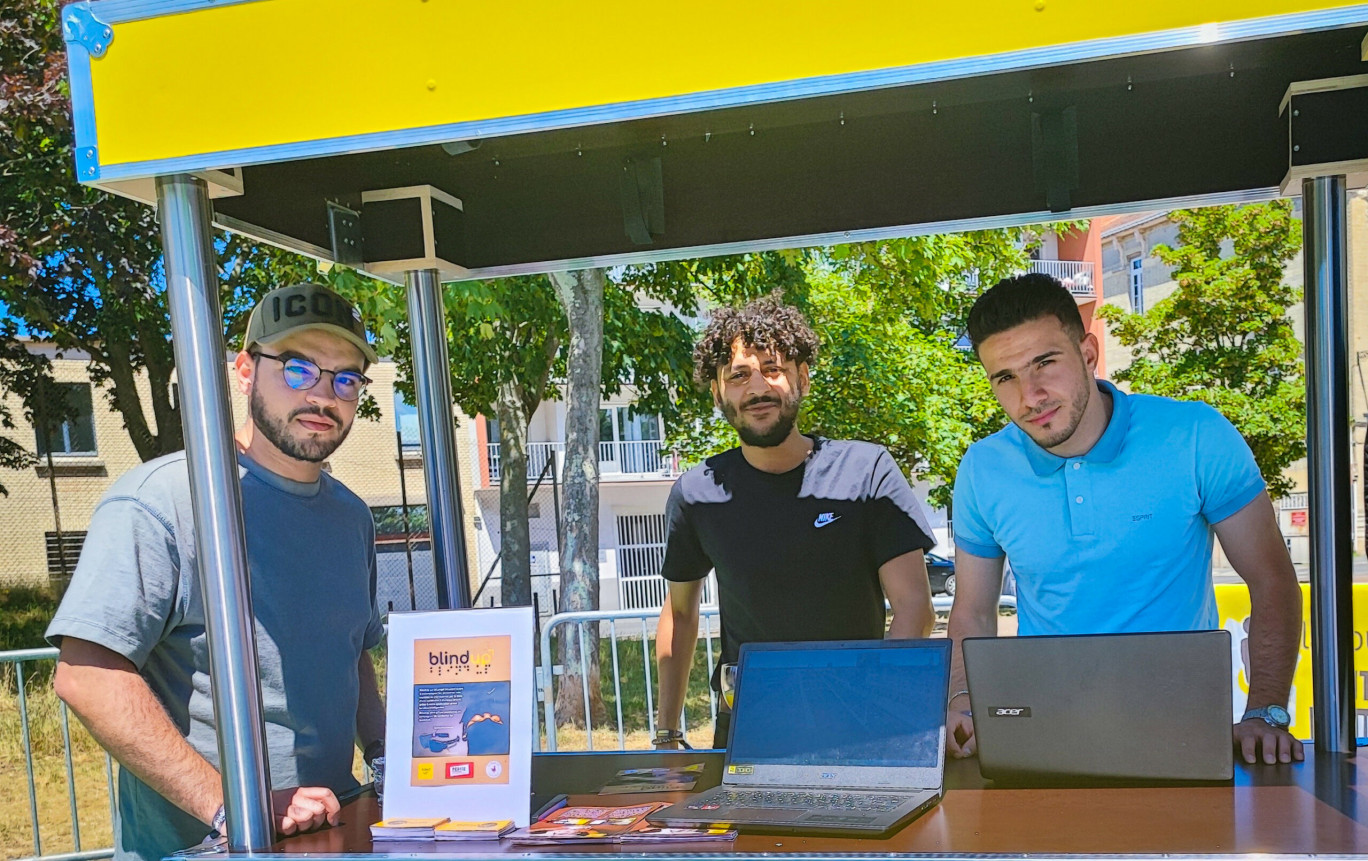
(629,441)
(76,434)
(1137,284)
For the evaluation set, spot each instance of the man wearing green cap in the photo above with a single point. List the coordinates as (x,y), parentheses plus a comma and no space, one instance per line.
(134,662)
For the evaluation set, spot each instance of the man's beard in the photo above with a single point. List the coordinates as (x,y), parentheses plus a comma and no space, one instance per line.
(311,448)
(1075,408)
(777,433)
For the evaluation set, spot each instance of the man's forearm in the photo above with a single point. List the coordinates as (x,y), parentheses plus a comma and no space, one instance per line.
(967,622)
(128,721)
(370,709)
(915,620)
(676,639)
(1275,621)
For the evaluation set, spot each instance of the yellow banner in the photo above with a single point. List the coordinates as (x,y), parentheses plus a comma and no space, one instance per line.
(1232,602)
(274,73)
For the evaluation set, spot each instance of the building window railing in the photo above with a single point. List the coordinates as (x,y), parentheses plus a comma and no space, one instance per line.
(636,458)
(1075,275)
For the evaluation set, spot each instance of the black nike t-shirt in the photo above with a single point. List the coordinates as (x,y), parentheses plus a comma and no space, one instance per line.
(797,554)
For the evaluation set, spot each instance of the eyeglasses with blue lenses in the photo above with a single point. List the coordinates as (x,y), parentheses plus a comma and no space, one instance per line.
(301,374)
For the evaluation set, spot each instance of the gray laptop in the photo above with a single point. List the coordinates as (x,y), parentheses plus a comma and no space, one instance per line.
(833,737)
(1117,706)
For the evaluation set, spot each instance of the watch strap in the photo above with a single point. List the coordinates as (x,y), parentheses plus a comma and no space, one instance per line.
(374,749)
(218,826)
(670,736)
(1264,714)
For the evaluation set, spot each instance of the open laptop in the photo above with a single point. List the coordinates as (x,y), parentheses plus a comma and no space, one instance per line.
(1115,706)
(831,737)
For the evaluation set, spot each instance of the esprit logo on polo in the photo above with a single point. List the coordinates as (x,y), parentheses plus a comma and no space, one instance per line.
(826,519)
(1012,711)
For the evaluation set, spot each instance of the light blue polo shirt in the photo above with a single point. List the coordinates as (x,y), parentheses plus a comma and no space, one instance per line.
(1116,540)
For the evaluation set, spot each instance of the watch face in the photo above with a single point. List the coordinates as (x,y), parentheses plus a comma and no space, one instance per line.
(1279,716)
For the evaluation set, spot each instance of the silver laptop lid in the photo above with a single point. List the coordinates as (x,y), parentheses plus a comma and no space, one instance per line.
(1141,706)
(856,714)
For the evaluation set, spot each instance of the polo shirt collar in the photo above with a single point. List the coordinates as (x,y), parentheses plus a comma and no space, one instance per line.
(1105,450)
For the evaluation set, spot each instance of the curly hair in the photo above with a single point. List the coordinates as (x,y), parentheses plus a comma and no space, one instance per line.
(763,324)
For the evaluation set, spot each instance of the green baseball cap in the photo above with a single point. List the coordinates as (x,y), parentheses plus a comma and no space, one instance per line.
(300,307)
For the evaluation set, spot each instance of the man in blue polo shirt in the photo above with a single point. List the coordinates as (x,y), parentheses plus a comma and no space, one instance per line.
(1106,504)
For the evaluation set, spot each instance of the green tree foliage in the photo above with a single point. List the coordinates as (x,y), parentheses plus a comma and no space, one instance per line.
(25,375)
(506,341)
(1223,336)
(893,368)
(80,267)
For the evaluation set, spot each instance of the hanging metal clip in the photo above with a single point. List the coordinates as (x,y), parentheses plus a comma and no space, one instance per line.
(80,25)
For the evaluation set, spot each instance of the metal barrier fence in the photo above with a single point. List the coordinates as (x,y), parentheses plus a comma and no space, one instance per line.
(643,619)
(17,660)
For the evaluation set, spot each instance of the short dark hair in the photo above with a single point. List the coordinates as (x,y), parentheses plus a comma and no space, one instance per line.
(1021,299)
(764,324)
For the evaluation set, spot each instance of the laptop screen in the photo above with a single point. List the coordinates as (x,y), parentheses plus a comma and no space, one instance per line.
(855,704)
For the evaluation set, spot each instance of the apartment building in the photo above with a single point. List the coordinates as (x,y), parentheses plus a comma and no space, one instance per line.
(1135,279)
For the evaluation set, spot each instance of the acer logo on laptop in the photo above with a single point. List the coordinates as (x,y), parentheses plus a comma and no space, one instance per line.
(1012,711)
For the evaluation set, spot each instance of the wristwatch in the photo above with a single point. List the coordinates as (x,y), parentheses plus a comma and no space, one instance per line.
(670,736)
(218,826)
(1274,716)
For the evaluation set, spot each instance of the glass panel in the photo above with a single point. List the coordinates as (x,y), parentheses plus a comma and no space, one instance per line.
(406,421)
(81,429)
(641,427)
(606,424)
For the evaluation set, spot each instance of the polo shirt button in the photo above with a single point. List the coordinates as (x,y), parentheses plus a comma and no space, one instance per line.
(1078,499)
(1077,465)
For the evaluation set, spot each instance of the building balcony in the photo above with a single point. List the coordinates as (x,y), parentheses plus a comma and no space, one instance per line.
(1075,275)
(618,461)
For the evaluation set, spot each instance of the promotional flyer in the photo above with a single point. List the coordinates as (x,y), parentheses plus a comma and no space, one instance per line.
(459,712)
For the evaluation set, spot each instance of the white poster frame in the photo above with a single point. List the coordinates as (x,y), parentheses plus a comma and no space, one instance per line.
(510,800)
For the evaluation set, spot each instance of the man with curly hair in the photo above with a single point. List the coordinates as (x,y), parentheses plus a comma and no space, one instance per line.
(807,535)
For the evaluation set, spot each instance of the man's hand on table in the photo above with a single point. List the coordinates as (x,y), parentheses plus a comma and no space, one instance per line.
(1258,741)
(959,734)
(304,808)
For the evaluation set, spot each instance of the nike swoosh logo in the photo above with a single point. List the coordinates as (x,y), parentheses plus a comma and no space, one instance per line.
(825,520)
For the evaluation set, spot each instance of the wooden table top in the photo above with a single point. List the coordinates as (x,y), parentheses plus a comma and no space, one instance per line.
(1315,807)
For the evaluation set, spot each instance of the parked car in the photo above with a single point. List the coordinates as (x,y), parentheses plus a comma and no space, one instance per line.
(942,574)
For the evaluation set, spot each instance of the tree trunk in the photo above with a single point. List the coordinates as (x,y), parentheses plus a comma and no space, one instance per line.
(515,538)
(128,402)
(581,295)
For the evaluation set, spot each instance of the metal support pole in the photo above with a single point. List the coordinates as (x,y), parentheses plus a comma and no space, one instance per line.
(220,540)
(432,385)
(404,509)
(1328,443)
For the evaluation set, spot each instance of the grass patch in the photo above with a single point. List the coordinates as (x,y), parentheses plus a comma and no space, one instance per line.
(50,778)
(632,675)
(24,615)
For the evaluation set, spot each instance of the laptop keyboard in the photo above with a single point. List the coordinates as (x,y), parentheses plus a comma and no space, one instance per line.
(787,800)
